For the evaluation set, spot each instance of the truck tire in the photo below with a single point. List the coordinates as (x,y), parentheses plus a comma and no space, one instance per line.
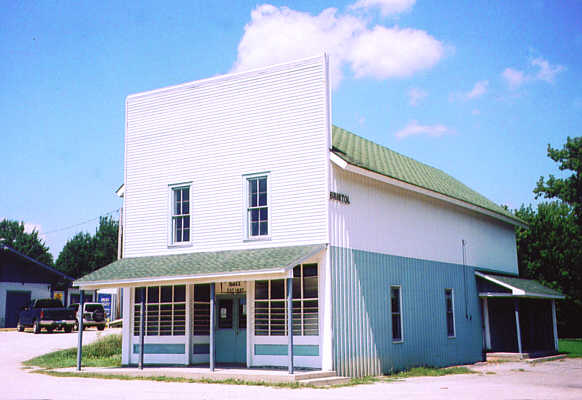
(19,327)
(49,330)
(100,327)
(68,329)
(36,327)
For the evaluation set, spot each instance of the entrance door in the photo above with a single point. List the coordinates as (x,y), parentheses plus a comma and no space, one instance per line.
(231,329)
(15,300)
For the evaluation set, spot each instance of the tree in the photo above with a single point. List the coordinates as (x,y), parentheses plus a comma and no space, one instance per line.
(550,251)
(12,234)
(85,253)
(568,189)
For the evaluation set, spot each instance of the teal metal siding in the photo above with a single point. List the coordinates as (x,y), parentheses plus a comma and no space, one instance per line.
(362,332)
(281,350)
(160,348)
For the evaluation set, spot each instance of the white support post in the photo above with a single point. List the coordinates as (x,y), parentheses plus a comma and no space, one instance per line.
(290,324)
(517,327)
(555,324)
(126,333)
(212,342)
(327,326)
(487,326)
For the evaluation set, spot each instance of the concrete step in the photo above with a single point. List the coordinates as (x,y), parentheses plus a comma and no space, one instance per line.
(326,381)
(301,376)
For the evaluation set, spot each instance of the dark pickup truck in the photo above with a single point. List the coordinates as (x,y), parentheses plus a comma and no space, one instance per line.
(46,313)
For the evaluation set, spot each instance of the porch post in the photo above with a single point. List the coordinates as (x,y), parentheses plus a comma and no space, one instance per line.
(487,327)
(212,344)
(141,327)
(517,328)
(290,323)
(80,327)
(555,323)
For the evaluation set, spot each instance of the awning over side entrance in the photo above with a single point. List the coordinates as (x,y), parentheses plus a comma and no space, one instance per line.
(504,286)
(213,266)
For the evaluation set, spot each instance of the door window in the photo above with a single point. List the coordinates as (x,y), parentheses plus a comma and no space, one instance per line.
(225,314)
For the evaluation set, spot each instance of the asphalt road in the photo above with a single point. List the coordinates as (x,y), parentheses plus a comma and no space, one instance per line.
(549,380)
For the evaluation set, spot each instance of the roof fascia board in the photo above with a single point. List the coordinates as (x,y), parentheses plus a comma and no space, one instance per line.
(528,296)
(250,72)
(202,278)
(515,291)
(407,186)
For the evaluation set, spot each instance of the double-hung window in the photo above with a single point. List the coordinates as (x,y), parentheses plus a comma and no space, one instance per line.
(449,304)
(396,310)
(257,219)
(180,214)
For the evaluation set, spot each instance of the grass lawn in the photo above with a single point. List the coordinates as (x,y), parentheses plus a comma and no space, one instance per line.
(572,347)
(105,352)
(429,371)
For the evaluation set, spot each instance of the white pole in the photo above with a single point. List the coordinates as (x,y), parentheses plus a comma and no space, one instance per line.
(555,323)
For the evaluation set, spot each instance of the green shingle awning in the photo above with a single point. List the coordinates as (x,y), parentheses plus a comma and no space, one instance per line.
(201,265)
(517,287)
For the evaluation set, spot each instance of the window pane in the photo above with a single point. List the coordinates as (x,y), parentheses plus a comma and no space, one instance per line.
(136,319)
(297,271)
(255,215)
(202,292)
(201,319)
(262,184)
(186,208)
(186,235)
(310,317)
(261,318)
(309,270)
(278,318)
(296,288)
(263,214)
(166,294)
(261,289)
(278,289)
(262,199)
(310,287)
(264,226)
(253,192)
(186,194)
(179,293)
(297,314)
(395,299)
(165,319)
(225,314)
(152,319)
(179,327)
(242,314)
(396,327)
(153,294)
(255,229)
(139,292)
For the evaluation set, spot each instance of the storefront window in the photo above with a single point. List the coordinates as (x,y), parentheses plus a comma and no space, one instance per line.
(165,310)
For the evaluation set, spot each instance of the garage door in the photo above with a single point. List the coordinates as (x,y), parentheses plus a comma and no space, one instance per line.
(15,300)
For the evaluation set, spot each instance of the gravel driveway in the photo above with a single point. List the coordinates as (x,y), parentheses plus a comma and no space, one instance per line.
(549,380)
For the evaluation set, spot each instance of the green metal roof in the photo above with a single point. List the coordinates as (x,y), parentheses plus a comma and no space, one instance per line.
(200,264)
(522,287)
(363,153)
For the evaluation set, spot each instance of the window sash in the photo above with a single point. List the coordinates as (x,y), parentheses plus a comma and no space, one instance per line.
(271,313)
(181,214)
(162,317)
(257,207)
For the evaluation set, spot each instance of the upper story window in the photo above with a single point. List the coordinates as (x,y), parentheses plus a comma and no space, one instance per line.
(449,304)
(257,207)
(181,214)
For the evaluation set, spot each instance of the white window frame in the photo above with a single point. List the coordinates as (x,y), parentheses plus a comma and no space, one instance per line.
(171,189)
(400,312)
(246,221)
(453,312)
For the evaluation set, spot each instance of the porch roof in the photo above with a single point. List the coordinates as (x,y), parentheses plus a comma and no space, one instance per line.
(199,265)
(518,287)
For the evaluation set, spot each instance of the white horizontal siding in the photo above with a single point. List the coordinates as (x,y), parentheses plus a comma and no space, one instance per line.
(212,133)
(385,219)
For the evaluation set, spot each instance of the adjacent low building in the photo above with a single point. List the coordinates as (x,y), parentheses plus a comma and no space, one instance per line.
(255,232)
(23,279)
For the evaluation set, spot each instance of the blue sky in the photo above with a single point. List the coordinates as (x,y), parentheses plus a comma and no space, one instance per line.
(477,89)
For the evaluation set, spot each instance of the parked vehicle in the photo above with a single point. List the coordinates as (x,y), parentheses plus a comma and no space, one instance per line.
(93,315)
(46,313)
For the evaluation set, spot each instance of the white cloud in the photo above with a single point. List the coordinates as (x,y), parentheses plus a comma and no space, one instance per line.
(415,95)
(414,128)
(280,34)
(547,72)
(387,7)
(478,90)
(513,77)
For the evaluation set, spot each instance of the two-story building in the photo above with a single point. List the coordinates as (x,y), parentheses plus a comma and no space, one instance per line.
(244,206)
